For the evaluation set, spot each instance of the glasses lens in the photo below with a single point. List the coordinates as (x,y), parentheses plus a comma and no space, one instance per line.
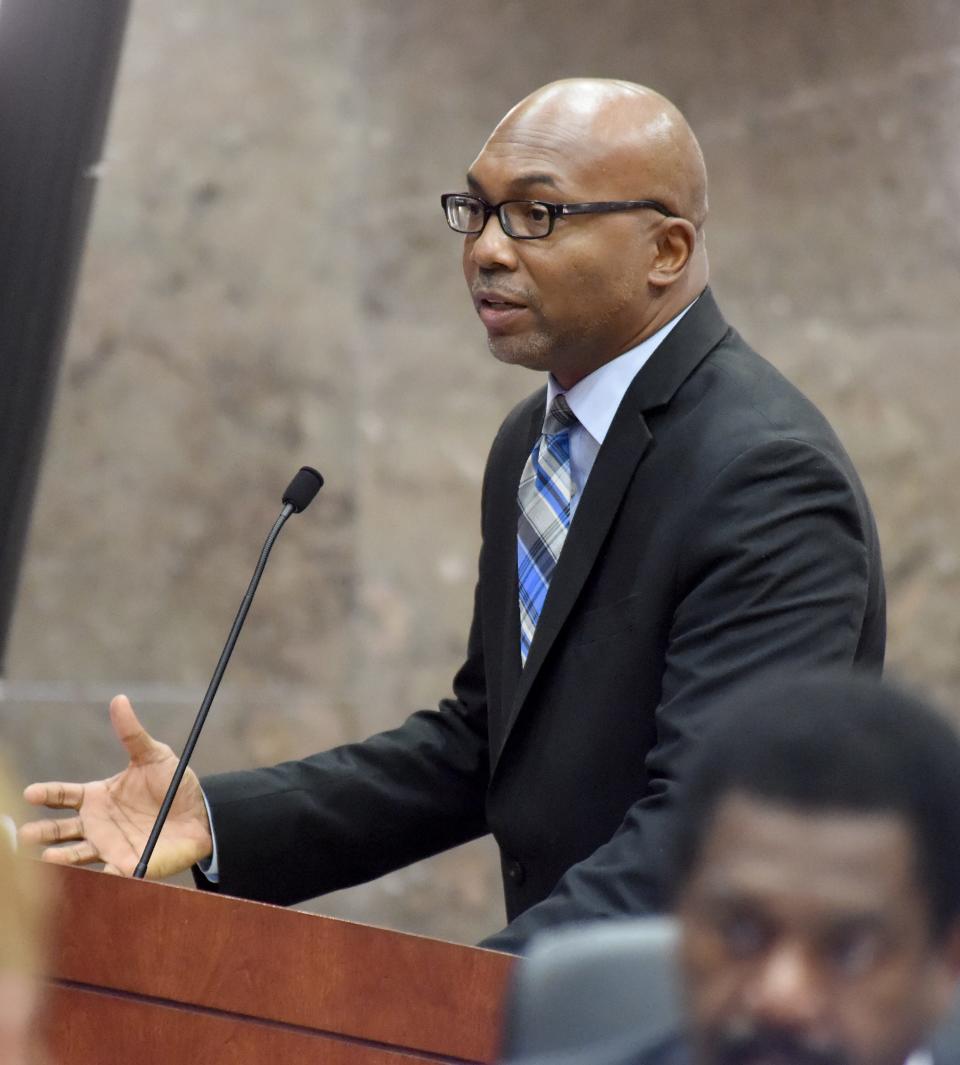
(465,214)
(526,218)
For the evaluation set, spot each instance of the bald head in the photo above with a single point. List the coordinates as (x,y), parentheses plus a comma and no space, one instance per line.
(614,125)
(618,175)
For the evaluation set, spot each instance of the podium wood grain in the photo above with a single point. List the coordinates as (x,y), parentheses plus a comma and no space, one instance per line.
(143,972)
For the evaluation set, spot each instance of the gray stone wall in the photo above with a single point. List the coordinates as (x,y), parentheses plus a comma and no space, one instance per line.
(269,282)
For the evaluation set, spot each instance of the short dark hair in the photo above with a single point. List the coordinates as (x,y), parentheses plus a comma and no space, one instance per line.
(834,743)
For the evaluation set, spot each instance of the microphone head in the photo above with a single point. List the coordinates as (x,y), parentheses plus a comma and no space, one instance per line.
(301,490)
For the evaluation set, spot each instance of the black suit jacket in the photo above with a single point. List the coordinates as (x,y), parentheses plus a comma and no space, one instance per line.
(723,531)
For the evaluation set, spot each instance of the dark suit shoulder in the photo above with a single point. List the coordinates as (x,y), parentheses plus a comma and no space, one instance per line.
(672,1051)
(527,411)
(515,437)
(737,401)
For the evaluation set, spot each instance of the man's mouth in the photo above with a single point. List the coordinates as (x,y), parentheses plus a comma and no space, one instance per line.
(498,313)
(498,300)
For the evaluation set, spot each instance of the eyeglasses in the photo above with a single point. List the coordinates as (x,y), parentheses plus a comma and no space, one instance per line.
(528,219)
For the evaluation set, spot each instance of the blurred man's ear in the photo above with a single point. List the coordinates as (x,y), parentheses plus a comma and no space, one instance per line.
(952,948)
(948,984)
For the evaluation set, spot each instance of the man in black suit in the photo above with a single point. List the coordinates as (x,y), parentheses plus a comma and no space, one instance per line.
(691,513)
(816,887)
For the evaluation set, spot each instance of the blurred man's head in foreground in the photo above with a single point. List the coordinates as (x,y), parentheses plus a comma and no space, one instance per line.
(20,916)
(818,877)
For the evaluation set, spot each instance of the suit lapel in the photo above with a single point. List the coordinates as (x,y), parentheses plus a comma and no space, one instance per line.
(623,449)
(626,442)
(502,543)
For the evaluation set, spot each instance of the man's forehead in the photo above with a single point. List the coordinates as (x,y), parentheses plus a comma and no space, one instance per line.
(553,142)
(842,858)
(520,177)
(554,159)
(611,140)
(557,128)
(522,181)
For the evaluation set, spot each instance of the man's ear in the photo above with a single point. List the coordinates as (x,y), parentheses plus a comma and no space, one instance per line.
(951,948)
(676,243)
(949,971)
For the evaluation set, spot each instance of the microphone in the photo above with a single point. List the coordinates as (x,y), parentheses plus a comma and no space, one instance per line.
(298,496)
(301,490)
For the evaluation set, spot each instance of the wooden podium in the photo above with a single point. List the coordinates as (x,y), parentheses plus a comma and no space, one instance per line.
(143,973)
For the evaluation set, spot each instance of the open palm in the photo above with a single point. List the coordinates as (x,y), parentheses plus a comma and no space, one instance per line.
(114,816)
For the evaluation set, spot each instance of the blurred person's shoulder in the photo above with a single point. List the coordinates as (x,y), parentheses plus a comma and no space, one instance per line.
(674,1050)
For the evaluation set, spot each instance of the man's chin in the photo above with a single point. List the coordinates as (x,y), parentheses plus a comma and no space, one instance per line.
(520,351)
(777,1050)
(767,1058)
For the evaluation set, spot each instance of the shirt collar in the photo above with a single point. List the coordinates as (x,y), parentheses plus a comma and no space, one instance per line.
(595,399)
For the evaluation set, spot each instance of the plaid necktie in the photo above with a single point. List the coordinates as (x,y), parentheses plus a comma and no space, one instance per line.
(545,494)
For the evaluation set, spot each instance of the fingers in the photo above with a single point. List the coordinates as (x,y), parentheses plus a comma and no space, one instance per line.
(56,794)
(68,828)
(129,731)
(51,831)
(78,854)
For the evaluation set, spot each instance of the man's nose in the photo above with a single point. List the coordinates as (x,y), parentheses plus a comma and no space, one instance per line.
(491,247)
(789,991)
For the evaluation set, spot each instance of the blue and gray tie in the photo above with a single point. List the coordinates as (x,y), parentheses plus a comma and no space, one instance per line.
(545,495)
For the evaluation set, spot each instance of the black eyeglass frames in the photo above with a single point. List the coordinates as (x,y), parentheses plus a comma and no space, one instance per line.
(528,219)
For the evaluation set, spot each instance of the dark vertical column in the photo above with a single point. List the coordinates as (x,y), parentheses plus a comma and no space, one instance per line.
(58,63)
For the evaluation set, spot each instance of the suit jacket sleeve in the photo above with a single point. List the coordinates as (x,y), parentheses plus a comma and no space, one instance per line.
(303,828)
(774,573)
(352,814)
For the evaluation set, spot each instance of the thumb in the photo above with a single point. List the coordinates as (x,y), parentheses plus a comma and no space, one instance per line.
(139,743)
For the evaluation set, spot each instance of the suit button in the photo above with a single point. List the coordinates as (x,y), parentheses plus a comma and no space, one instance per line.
(516,871)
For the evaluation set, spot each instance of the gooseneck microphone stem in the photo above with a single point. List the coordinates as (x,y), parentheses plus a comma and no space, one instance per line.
(288,509)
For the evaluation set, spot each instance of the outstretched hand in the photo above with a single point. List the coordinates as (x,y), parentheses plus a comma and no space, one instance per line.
(114,816)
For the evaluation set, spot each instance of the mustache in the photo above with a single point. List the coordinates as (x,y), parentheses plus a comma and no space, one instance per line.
(761,1044)
(491,280)
(526,298)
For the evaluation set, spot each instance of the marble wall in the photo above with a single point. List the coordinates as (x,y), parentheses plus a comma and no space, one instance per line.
(269,282)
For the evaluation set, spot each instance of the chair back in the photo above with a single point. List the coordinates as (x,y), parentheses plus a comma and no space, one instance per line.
(591,984)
